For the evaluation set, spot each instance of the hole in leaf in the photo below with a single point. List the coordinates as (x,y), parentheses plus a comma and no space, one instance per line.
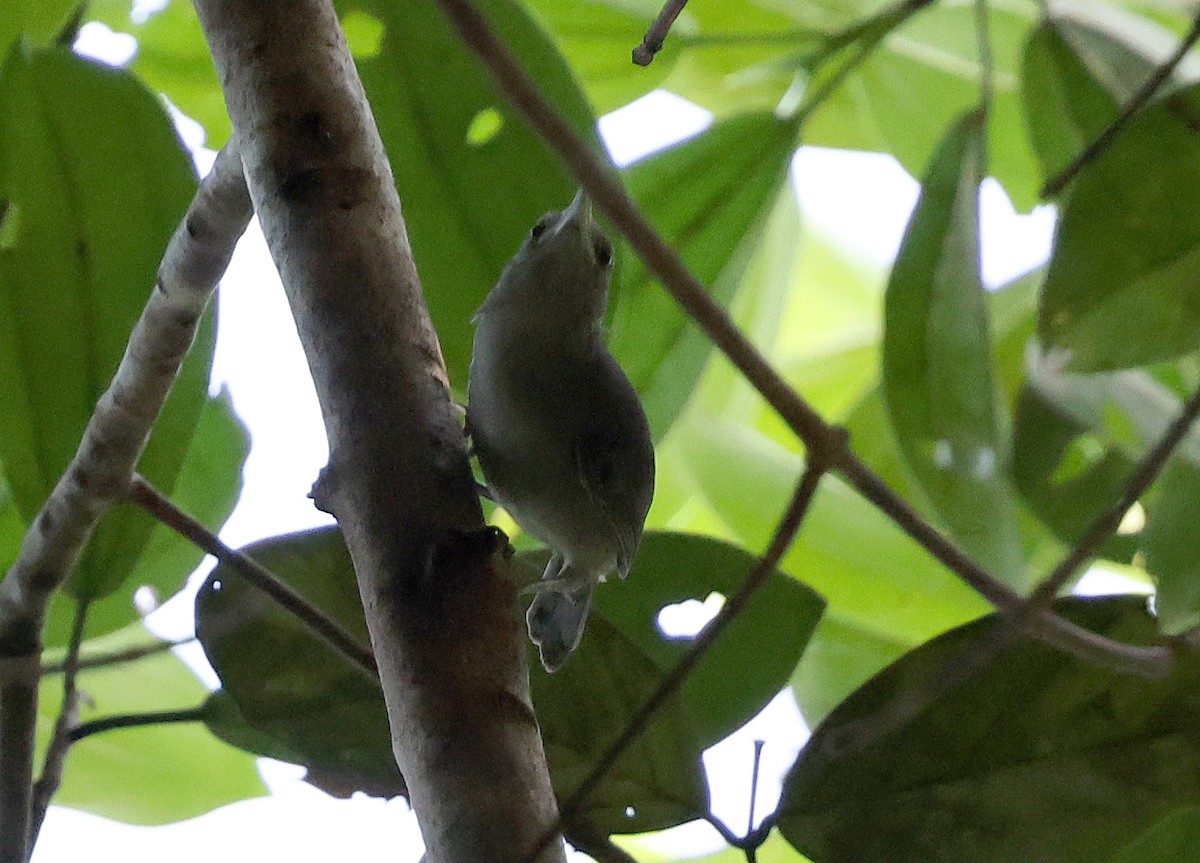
(217,585)
(630,812)
(364,34)
(1133,521)
(484,126)
(685,619)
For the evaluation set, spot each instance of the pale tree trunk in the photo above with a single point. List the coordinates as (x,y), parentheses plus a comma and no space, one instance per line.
(439,606)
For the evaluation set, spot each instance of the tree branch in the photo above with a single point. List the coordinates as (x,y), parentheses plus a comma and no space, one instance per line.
(117,657)
(195,259)
(824,443)
(652,42)
(60,741)
(440,607)
(136,720)
(1139,100)
(145,495)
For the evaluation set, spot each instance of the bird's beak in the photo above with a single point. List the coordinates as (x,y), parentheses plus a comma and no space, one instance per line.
(579,210)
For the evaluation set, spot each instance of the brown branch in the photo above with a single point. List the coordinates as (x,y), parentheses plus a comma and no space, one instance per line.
(145,495)
(117,657)
(136,720)
(195,258)
(652,43)
(1105,139)
(824,443)
(60,741)
(785,532)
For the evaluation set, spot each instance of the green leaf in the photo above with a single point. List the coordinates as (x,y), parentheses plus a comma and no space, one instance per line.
(468,203)
(207,489)
(172,58)
(39,21)
(73,279)
(733,173)
(1040,757)
(1122,286)
(1169,543)
(870,573)
(152,774)
(296,698)
(937,364)
(754,657)
(659,781)
(288,684)
(1065,106)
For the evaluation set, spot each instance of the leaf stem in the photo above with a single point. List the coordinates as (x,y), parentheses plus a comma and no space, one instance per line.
(60,742)
(145,495)
(117,657)
(1105,139)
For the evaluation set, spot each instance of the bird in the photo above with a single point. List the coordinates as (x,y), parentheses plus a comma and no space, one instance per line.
(560,434)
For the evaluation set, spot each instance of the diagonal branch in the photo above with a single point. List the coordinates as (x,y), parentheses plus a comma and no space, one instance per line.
(195,259)
(1139,100)
(145,495)
(823,442)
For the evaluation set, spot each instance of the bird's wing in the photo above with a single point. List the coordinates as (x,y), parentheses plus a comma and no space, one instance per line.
(615,462)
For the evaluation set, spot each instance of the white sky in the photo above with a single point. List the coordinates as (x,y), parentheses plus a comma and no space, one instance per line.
(861,201)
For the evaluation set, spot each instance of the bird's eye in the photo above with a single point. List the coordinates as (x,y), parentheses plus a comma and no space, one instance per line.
(540,228)
(603,251)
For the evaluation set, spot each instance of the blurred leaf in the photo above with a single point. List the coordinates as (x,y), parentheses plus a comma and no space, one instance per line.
(937,364)
(40,21)
(1175,837)
(172,58)
(733,173)
(152,774)
(207,489)
(975,775)
(1172,554)
(74,279)
(468,202)
(1122,285)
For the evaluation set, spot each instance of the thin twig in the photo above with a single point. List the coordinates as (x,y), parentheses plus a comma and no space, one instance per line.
(823,442)
(652,42)
(785,532)
(60,741)
(137,720)
(752,850)
(1107,522)
(145,495)
(117,657)
(1138,101)
(18,719)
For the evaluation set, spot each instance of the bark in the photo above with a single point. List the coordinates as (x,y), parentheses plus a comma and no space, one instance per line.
(439,605)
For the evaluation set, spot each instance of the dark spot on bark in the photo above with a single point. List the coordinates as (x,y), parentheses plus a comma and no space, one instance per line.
(302,185)
(194,230)
(45,521)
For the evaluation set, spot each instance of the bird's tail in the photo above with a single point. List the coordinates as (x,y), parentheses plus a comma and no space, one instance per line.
(556,619)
